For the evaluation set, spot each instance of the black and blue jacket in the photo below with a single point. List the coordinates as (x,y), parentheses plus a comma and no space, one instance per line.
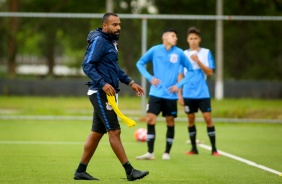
(101,61)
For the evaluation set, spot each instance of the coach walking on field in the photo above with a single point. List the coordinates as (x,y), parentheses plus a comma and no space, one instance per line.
(101,66)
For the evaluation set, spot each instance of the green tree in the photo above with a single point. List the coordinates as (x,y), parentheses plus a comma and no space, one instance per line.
(252,49)
(13,24)
(53,30)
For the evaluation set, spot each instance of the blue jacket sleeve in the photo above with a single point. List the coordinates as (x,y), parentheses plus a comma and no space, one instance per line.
(147,57)
(190,72)
(123,77)
(93,54)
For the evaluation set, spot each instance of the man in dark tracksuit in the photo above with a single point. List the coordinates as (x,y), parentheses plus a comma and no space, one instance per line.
(101,66)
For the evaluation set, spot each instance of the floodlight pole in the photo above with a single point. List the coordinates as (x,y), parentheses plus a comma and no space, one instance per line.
(219,89)
(143,79)
(109,6)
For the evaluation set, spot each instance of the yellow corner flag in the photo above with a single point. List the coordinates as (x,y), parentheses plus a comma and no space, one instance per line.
(129,122)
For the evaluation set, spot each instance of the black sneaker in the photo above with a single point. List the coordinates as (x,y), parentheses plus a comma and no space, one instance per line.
(136,175)
(83,176)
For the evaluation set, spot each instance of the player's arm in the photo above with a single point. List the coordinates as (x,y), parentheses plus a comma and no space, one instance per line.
(180,97)
(141,63)
(123,77)
(147,57)
(93,54)
(206,69)
(190,72)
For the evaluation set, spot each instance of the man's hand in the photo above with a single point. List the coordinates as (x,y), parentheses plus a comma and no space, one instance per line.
(195,58)
(109,90)
(173,89)
(138,89)
(207,70)
(155,82)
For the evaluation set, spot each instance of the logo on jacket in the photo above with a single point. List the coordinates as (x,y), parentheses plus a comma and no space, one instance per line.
(116,45)
(173,58)
(108,106)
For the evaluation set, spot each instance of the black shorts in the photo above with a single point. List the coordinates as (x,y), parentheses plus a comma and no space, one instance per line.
(192,105)
(166,106)
(104,116)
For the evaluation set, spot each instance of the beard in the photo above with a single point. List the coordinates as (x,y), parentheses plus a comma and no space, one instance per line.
(115,36)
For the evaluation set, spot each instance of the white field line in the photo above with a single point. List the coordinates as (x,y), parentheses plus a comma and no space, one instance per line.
(39,142)
(51,142)
(243,160)
(201,145)
(89,118)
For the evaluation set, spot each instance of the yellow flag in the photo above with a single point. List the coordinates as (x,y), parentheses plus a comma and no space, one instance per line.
(129,122)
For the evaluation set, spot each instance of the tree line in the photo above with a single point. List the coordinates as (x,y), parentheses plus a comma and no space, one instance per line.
(252,49)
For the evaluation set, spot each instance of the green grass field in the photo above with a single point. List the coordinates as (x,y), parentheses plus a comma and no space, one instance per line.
(228,108)
(48,151)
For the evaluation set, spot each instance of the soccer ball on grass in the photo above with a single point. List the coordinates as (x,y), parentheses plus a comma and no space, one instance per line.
(140,135)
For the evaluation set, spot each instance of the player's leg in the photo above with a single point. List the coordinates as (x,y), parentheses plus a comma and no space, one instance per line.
(90,147)
(151,136)
(98,130)
(107,119)
(110,121)
(192,130)
(151,131)
(117,147)
(116,144)
(169,109)
(91,144)
(191,107)
(153,109)
(205,106)
(169,137)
